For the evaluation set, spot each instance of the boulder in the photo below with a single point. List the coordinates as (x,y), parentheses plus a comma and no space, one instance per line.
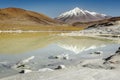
(25,71)
(57,57)
(65,57)
(61,67)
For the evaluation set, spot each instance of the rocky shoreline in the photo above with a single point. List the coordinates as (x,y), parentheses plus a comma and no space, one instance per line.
(111,62)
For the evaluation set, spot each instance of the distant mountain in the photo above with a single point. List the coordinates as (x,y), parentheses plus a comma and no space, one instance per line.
(80,15)
(104,22)
(26,17)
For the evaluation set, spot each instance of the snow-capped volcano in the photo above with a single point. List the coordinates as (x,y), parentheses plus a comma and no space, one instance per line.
(80,15)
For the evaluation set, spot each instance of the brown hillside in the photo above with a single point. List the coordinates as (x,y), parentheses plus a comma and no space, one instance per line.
(21,16)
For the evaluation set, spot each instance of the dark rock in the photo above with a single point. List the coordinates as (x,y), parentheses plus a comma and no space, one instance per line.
(50,64)
(60,67)
(118,51)
(23,65)
(62,56)
(108,58)
(119,48)
(65,57)
(25,71)
(97,52)
(22,71)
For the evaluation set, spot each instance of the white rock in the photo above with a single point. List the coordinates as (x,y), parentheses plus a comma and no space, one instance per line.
(45,69)
(28,59)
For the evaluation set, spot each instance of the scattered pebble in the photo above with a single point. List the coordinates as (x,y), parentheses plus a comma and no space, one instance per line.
(62,56)
(97,52)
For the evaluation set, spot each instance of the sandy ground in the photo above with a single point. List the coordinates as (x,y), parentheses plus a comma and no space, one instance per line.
(71,73)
